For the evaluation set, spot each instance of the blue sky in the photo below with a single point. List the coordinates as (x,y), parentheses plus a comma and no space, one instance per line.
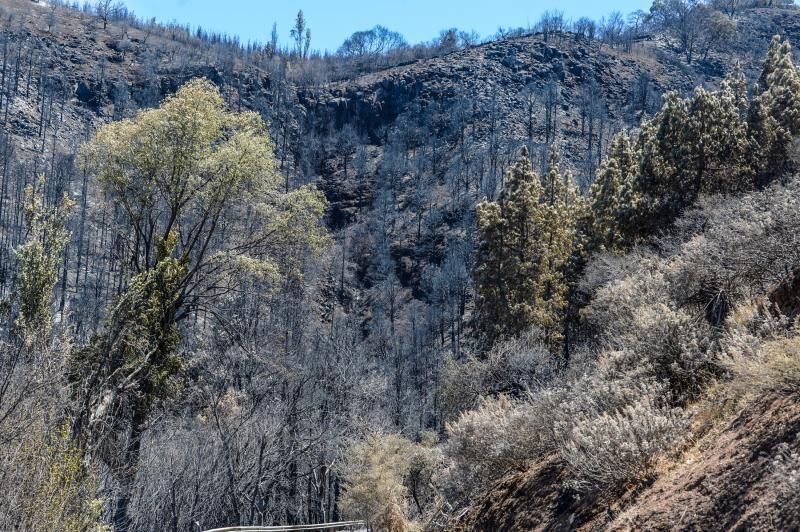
(331,21)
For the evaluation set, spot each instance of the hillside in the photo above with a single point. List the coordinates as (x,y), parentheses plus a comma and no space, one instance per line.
(487,99)
(731,480)
(548,281)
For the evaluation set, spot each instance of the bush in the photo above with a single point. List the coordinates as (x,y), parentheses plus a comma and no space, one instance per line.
(48,487)
(769,366)
(609,426)
(652,336)
(736,249)
(674,346)
(667,320)
(650,305)
(382,474)
(374,472)
(620,446)
(513,367)
(786,470)
(499,436)
(619,291)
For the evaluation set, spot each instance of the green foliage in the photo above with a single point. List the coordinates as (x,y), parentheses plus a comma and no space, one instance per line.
(133,360)
(525,241)
(768,140)
(38,261)
(181,174)
(691,146)
(774,113)
(713,142)
(782,83)
(717,141)
(662,150)
(197,194)
(192,167)
(736,83)
(55,491)
(613,197)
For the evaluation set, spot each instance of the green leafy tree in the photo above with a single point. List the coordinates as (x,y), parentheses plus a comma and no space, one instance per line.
(198,192)
(123,371)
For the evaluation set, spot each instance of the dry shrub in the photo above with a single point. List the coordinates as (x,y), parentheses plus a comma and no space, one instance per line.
(667,320)
(609,425)
(47,485)
(744,248)
(500,435)
(621,446)
(614,424)
(668,307)
(773,365)
(660,340)
(786,472)
(382,475)
(514,367)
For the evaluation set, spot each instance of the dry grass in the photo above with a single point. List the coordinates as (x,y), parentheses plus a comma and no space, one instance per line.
(774,367)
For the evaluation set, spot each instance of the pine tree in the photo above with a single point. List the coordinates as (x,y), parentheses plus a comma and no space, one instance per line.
(525,241)
(770,61)
(691,146)
(613,197)
(768,141)
(663,152)
(716,143)
(561,244)
(736,82)
(782,83)
(504,271)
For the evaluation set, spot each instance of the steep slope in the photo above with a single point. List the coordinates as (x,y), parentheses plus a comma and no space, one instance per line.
(733,483)
(728,481)
(493,94)
(403,154)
